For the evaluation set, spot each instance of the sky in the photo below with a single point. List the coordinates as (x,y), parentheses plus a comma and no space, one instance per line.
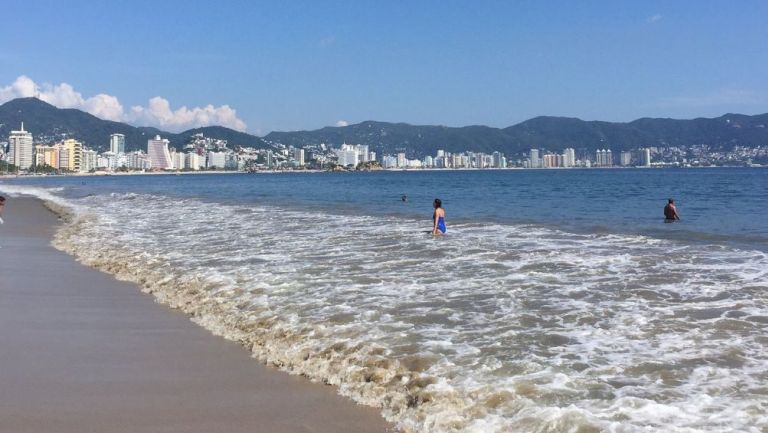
(296,65)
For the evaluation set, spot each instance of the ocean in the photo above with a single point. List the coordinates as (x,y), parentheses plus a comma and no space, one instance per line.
(558,300)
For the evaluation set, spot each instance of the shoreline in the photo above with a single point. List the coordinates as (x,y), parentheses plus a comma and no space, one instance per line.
(419,170)
(83,351)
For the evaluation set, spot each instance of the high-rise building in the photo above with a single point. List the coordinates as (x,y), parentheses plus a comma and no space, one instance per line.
(497,156)
(603,158)
(549,160)
(21,149)
(47,155)
(389,161)
(89,161)
(193,161)
(108,160)
(646,157)
(569,157)
(217,160)
(159,156)
(138,160)
(117,143)
(534,157)
(179,160)
(349,154)
(71,155)
(401,160)
(298,156)
(626,158)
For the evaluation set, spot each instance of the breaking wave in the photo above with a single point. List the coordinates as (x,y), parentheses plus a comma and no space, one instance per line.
(492,328)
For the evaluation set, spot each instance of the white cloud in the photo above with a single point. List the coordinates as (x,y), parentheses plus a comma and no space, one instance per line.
(157,113)
(342,123)
(23,87)
(655,18)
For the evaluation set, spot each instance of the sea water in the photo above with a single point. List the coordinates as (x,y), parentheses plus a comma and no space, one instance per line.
(558,301)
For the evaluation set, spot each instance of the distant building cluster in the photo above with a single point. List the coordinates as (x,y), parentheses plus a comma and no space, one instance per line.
(206,153)
(72,156)
(602,158)
(443,159)
(352,155)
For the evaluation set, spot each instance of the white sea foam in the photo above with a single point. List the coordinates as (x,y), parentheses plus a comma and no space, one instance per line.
(493,328)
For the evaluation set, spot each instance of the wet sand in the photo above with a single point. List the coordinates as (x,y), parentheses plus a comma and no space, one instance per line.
(83,352)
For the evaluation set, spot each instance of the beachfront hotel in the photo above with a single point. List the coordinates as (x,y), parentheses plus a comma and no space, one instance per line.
(21,149)
(159,156)
(117,143)
(71,155)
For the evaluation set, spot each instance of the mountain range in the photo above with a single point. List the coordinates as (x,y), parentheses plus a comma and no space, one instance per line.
(48,123)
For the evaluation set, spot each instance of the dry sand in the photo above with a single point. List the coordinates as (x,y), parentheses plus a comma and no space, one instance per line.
(83,352)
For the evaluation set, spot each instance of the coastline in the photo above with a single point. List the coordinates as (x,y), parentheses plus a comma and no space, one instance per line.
(384,170)
(83,351)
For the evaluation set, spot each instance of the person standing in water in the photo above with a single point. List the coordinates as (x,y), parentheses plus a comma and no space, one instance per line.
(438,218)
(670,212)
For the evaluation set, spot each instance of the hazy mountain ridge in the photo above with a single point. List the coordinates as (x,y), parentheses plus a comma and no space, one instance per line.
(552,133)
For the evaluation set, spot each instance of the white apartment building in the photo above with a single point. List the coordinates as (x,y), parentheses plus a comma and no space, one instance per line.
(401,160)
(194,161)
(534,157)
(646,157)
(138,160)
(626,158)
(347,155)
(569,157)
(217,160)
(21,149)
(89,161)
(179,160)
(117,143)
(298,156)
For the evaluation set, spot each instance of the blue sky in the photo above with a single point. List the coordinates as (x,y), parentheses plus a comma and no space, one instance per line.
(303,65)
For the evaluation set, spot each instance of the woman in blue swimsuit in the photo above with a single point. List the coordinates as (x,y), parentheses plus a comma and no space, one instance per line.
(438,218)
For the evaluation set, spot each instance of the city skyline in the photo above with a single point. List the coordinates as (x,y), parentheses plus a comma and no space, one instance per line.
(303,66)
(208,153)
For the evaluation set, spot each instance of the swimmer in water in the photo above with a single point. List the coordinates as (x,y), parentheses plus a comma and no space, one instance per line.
(438,218)
(670,212)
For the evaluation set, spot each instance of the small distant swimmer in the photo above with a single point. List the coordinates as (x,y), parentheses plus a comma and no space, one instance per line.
(670,212)
(2,206)
(404,198)
(438,218)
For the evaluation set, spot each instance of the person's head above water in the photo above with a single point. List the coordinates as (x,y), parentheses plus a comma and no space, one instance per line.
(438,203)
(671,201)
(2,199)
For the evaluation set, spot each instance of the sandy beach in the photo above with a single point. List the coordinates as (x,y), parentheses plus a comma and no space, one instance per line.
(83,352)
